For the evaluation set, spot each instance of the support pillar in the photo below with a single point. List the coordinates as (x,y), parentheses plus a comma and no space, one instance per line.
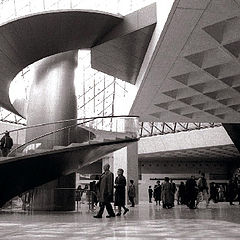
(127,159)
(52,98)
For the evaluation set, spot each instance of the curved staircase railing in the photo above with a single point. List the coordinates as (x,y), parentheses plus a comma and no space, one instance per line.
(77,132)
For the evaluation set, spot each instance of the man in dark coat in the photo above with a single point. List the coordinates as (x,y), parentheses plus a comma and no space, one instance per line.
(173,191)
(191,192)
(166,194)
(6,144)
(120,184)
(157,193)
(105,185)
(213,192)
(181,193)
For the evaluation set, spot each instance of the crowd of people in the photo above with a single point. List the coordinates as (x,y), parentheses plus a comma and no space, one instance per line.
(164,192)
(194,191)
(190,193)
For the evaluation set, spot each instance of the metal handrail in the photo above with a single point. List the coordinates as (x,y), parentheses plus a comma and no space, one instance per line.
(61,129)
(44,135)
(68,120)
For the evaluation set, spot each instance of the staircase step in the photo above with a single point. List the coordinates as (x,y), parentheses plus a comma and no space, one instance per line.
(84,143)
(74,145)
(127,137)
(109,140)
(41,150)
(119,139)
(58,147)
(95,141)
(19,154)
(106,134)
(5,158)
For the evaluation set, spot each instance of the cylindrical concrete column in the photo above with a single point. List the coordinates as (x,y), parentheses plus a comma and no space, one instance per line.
(52,98)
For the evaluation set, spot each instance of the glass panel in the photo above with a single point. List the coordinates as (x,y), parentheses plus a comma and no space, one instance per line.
(22,7)
(8,11)
(37,6)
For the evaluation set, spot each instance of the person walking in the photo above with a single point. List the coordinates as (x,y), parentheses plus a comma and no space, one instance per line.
(150,194)
(78,194)
(231,191)
(191,192)
(203,190)
(221,193)
(173,191)
(213,192)
(181,193)
(166,194)
(120,184)
(93,194)
(131,193)
(105,186)
(157,193)
(6,144)
(217,189)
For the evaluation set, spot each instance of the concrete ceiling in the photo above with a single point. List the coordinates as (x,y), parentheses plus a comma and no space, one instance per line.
(226,153)
(30,38)
(192,73)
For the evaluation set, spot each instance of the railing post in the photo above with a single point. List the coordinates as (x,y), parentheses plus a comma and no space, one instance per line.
(15,8)
(88,196)
(17,137)
(89,137)
(69,136)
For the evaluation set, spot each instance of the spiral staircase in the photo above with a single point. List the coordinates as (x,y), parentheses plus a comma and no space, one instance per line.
(31,164)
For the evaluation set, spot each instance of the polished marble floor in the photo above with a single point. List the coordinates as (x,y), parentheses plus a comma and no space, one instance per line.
(145,221)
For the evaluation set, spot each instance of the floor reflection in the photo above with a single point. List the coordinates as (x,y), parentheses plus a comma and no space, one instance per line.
(219,221)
